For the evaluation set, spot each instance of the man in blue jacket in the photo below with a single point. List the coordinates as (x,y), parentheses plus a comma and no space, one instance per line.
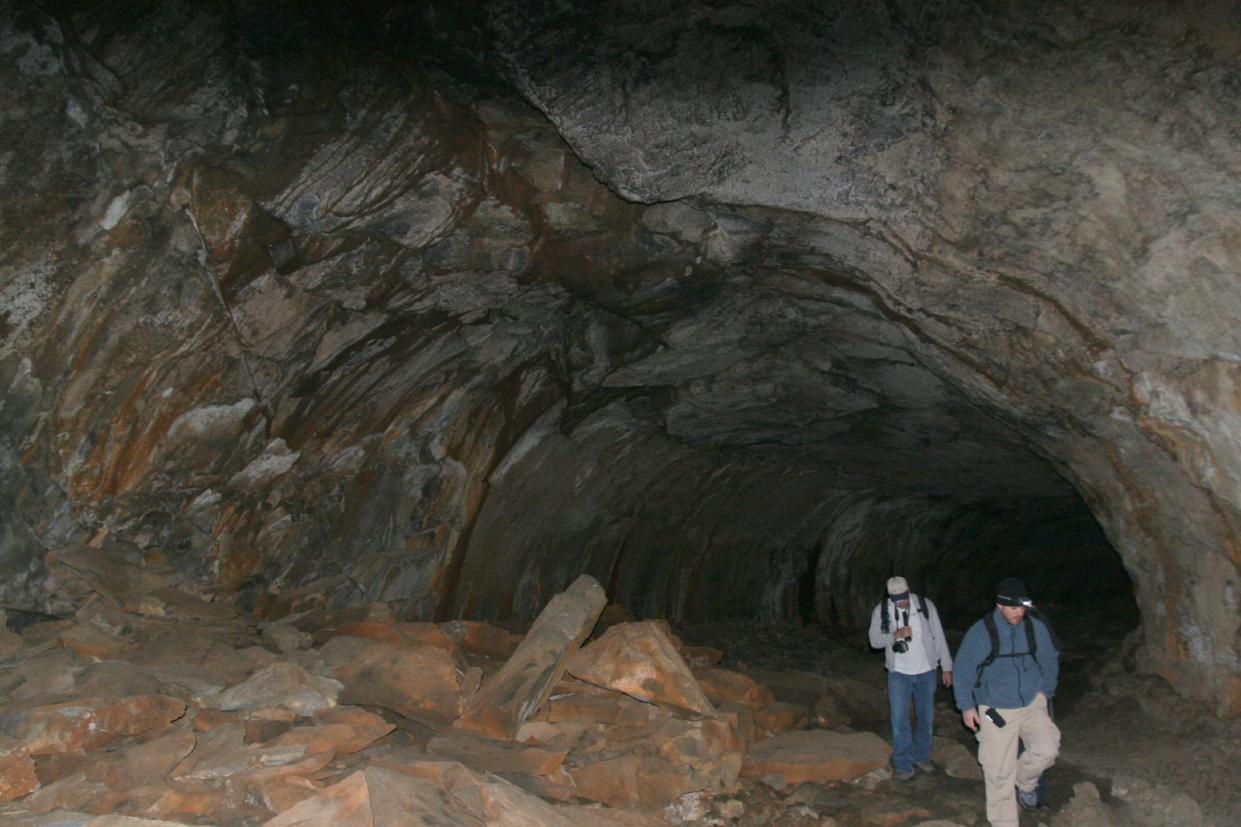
(1008,665)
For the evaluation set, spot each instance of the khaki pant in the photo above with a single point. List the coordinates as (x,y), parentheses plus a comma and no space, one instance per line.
(997,752)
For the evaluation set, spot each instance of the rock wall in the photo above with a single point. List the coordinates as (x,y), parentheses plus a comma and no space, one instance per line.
(735,308)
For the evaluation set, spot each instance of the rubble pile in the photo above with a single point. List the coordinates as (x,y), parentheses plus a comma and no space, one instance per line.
(139,704)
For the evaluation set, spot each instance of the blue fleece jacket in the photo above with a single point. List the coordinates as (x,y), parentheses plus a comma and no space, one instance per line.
(1009,682)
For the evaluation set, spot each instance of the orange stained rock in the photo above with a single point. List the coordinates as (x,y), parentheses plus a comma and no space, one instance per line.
(17,775)
(725,686)
(816,755)
(89,723)
(367,726)
(641,660)
(481,638)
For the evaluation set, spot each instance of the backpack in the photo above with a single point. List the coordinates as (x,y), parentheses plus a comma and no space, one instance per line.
(988,620)
(885,622)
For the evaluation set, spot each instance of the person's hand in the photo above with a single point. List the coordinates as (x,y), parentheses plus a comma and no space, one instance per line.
(903,632)
(948,678)
(970,718)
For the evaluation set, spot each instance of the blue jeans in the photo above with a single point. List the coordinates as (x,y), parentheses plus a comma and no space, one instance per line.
(911,744)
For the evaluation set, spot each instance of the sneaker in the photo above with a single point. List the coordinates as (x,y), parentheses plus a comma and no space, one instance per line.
(1028,800)
(925,766)
(904,776)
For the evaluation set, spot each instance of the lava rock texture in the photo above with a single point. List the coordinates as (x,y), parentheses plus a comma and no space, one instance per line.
(737,307)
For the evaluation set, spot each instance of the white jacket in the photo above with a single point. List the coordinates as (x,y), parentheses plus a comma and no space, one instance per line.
(934,643)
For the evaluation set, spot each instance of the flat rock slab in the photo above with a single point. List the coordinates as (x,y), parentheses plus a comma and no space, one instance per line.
(724,686)
(490,755)
(641,660)
(376,796)
(88,723)
(816,755)
(420,682)
(512,695)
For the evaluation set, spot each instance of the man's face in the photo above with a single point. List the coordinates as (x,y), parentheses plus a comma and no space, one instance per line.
(1012,614)
(902,604)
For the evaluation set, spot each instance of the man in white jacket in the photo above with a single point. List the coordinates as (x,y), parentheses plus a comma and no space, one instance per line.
(906,626)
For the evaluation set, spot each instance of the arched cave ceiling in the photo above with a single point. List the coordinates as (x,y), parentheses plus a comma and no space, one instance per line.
(738,307)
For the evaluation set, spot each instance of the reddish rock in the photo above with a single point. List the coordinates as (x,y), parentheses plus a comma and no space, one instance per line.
(558,735)
(641,660)
(779,716)
(91,643)
(481,638)
(367,726)
(489,755)
(373,797)
(723,686)
(17,775)
(140,763)
(816,755)
(598,706)
(428,634)
(283,793)
(421,682)
(652,765)
(370,630)
(315,740)
(522,685)
(73,792)
(208,719)
(89,723)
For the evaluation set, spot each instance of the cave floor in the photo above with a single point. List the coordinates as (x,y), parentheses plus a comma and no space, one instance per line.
(1133,752)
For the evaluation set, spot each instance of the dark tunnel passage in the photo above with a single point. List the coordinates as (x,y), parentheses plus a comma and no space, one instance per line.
(513,408)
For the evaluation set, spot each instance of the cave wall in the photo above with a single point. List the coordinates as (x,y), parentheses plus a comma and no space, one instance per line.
(735,307)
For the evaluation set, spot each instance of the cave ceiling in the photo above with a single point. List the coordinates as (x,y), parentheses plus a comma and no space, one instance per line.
(443,305)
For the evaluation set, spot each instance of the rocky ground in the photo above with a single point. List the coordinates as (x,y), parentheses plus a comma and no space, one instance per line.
(148,706)
(1133,751)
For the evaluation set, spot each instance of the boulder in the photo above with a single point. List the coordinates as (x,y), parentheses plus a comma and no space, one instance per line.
(522,685)
(815,755)
(723,686)
(481,638)
(641,660)
(284,685)
(422,683)
(88,723)
(489,755)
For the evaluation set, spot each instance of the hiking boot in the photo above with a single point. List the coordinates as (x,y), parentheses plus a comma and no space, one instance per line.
(925,766)
(904,776)
(1028,800)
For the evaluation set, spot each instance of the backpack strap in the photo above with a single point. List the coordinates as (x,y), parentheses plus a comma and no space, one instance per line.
(922,607)
(988,620)
(885,622)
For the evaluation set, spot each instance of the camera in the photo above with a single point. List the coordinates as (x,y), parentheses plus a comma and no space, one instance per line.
(900,647)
